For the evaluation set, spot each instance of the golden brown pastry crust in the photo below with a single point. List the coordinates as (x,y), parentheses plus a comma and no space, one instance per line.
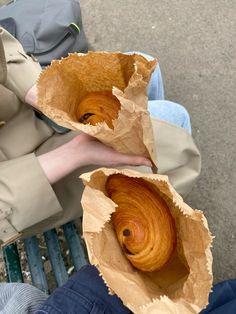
(143,223)
(97,107)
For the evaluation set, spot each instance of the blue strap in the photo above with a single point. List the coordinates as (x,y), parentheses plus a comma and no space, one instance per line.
(56,127)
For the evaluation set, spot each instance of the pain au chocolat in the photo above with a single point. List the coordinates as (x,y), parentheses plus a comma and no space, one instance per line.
(97,107)
(143,222)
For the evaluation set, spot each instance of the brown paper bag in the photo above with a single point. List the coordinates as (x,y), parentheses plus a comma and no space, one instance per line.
(182,285)
(64,83)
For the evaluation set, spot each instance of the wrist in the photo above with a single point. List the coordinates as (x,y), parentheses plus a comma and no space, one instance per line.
(61,161)
(76,151)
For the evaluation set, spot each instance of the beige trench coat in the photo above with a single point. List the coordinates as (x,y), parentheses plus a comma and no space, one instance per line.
(28,203)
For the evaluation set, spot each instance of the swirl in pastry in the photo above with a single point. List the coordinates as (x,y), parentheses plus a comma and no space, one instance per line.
(143,223)
(97,107)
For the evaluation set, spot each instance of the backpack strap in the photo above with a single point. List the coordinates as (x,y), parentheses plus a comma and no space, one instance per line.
(3,65)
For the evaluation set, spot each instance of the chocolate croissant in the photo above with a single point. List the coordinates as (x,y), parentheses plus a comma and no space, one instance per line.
(98,107)
(143,223)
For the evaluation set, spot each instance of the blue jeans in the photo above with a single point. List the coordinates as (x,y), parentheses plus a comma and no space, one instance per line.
(223,298)
(163,109)
(84,293)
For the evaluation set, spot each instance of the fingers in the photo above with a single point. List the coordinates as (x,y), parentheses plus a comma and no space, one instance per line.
(94,152)
(31,96)
(133,160)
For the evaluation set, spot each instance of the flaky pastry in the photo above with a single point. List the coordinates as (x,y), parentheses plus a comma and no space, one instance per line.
(143,222)
(97,107)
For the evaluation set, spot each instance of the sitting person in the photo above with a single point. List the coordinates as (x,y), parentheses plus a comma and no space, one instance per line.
(40,164)
(85,293)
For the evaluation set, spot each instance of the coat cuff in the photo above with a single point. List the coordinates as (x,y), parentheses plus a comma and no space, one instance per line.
(22,70)
(27,197)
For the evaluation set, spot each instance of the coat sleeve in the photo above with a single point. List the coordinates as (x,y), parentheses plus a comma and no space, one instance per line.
(18,71)
(178,156)
(26,196)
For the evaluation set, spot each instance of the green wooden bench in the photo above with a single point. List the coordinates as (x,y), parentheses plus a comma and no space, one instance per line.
(34,257)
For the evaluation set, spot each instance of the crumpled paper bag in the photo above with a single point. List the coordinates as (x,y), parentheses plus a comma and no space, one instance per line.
(182,286)
(65,82)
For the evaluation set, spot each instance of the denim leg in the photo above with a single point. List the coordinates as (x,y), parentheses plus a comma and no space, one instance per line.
(170,112)
(83,293)
(222,299)
(155,86)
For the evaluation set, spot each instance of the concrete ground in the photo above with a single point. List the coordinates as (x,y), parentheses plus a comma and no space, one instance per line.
(195,42)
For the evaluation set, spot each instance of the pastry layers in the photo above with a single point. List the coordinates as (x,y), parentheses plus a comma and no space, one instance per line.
(143,222)
(98,107)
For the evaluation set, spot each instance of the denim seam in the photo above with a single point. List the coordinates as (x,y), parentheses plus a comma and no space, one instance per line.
(108,304)
(73,295)
(49,307)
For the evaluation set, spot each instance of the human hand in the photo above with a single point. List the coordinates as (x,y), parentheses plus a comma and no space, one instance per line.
(84,150)
(94,152)
(31,96)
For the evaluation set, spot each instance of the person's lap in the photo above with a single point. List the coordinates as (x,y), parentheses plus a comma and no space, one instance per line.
(160,108)
(170,112)
(84,293)
(86,290)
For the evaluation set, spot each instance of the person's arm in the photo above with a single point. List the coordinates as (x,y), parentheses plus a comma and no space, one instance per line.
(26,196)
(25,182)
(83,150)
(18,71)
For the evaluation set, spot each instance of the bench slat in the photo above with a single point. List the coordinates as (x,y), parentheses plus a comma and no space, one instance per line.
(76,250)
(12,262)
(55,256)
(34,258)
